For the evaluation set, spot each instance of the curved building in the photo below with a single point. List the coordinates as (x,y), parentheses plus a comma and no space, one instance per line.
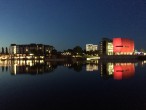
(123,46)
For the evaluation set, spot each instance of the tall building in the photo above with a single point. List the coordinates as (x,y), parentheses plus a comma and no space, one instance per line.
(91,47)
(123,46)
(30,50)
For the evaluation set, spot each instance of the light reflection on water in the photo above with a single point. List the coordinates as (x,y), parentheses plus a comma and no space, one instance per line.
(116,70)
(78,84)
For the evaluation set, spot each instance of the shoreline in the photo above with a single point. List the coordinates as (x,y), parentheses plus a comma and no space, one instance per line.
(104,57)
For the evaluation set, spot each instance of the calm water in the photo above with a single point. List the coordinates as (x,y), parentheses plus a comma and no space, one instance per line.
(44,85)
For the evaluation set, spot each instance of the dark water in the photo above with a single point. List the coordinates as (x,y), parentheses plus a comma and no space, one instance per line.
(96,85)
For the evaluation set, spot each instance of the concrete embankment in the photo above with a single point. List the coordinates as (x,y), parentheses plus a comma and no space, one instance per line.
(66,59)
(118,57)
(142,57)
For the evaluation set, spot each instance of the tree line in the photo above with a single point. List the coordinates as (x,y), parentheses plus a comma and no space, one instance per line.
(4,50)
(78,50)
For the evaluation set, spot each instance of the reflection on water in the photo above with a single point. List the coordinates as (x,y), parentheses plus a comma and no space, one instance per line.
(92,85)
(107,70)
(125,70)
(92,66)
(117,70)
(27,66)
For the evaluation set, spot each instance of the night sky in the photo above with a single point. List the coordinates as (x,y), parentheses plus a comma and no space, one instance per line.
(67,23)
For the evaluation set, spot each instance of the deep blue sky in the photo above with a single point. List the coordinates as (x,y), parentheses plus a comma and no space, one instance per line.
(67,23)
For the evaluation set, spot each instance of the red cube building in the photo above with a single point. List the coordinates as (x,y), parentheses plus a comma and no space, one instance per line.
(123,46)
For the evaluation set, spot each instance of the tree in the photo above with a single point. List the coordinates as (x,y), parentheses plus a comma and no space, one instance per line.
(77,67)
(77,50)
(54,51)
(69,50)
(6,50)
(2,50)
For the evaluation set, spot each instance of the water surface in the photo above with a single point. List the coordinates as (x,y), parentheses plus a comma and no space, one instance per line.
(55,85)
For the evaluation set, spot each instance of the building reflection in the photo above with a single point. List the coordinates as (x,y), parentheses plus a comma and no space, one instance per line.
(4,65)
(124,70)
(91,67)
(118,71)
(143,63)
(106,70)
(77,66)
(31,67)
(67,64)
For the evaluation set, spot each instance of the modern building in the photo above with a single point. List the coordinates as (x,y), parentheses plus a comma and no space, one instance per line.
(30,51)
(116,46)
(106,47)
(123,46)
(91,47)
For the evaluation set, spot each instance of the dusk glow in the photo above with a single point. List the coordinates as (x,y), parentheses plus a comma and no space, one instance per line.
(66,23)
(72,54)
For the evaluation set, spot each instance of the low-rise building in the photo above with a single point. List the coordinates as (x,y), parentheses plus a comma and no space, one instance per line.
(91,47)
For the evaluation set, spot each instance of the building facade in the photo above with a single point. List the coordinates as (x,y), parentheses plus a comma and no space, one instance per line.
(30,51)
(123,46)
(91,47)
(106,47)
(116,46)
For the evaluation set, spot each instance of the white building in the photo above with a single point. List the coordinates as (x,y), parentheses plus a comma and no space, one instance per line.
(109,48)
(91,47)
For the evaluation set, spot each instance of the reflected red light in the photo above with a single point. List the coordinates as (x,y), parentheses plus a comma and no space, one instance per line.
(123,71)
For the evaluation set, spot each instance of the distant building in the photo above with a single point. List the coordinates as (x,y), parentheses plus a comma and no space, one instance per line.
(30,50)
(106,47)
(123,46)
(91,47)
